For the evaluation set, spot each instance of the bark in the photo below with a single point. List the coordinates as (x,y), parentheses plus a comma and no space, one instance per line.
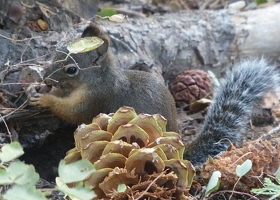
(169,43)
(257,33)
(209,40)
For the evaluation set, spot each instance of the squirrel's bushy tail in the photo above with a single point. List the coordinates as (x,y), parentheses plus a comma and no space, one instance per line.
(232,107)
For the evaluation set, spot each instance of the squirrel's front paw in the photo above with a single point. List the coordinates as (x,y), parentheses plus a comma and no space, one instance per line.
(36,99)
(36,96)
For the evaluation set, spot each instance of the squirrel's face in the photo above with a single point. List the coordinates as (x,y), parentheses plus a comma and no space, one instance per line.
(64,77)
(71,71)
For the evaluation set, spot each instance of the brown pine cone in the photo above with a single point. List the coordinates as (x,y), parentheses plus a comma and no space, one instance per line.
(190,86)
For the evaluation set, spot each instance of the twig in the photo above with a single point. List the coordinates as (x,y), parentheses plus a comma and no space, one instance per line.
(24,50)
(4,72)
(19,40)
(240,158)
(21,106)
(21,94)
(45,9)
(33,59)
(236,192)
(6,125)
(271,132)
(26,5)
(143,193)
(15,84)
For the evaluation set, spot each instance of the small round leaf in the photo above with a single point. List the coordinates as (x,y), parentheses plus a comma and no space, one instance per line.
(277,175)
(75,193)
(11,151)
(82,170)
(243,169)
(117,18)
(121,188)
(106,12)
(213,183)
(85,44)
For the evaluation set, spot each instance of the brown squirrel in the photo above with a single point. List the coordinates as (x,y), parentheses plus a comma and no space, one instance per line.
(90,83)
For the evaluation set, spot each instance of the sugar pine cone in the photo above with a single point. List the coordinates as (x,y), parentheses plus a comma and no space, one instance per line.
(264,156)
(190,86)
(135,150)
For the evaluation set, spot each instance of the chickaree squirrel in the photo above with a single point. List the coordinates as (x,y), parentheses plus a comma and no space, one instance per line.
(90,83)
(97,86)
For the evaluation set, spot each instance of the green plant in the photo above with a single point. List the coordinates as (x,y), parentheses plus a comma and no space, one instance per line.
(111,14)
(270,188)
(82,170)
(19,176)
(214,181)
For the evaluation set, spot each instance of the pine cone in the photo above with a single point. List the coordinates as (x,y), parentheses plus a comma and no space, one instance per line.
(190,86)
(135,150)
(264,156)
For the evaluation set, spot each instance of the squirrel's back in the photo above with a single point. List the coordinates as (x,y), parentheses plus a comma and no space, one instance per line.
(232,106)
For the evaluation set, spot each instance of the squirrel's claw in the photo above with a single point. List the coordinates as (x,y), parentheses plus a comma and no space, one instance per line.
(33,96)
(35,100)
(31,91)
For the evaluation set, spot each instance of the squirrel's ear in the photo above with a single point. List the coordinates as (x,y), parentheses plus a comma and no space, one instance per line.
(91,30)
(94,30)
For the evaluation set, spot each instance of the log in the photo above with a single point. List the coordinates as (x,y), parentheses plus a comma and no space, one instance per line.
(171,43)
(261,29)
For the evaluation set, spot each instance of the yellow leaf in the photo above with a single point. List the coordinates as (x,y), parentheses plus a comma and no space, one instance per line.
(117,18)
(85,44)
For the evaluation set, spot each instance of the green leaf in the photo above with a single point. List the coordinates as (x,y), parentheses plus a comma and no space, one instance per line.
(214,183)
(76,193)
(85,44)
(121,188)
(23,192)
(269,189)
(260,1)
(11,151)
(19,173)
(251,5)
(75,172)
(277,175)
(107,12)
(243,169)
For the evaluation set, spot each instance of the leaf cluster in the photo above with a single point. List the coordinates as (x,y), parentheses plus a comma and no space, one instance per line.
(19,176)
(271,189)
(81,170)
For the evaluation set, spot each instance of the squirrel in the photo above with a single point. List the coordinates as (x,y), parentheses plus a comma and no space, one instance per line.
(90,83)
(85,84)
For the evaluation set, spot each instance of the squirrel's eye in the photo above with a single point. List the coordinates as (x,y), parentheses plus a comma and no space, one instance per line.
(71,71)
